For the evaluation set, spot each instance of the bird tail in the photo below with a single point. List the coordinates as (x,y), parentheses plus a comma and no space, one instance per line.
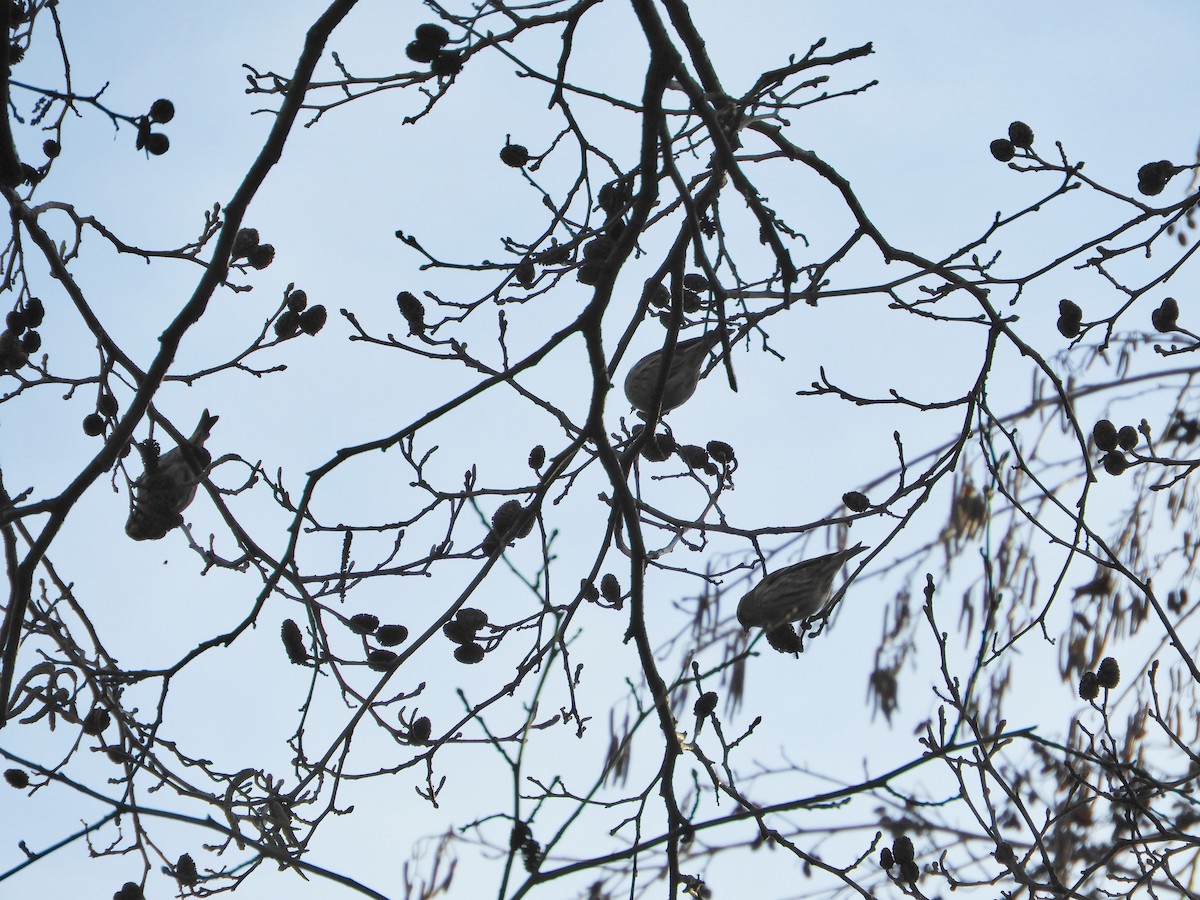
(203,429)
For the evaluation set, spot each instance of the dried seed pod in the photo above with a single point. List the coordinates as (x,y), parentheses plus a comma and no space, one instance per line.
(1104,435)
(1108,676)
(412,310)
(554,254)
(17,778)
(525,274)
(446,63)
(363,623)
(93,425)
(287,325)
(1128,437)
(468,654)
(610,588)
(13,355)
(588,590)
(391,635)
(519,835)
(312,320)
(162,111)
(293,642)
(422,51)
(784,639)
(297,301)
(1003,149)
(1005,855)
(903,850)
(613,196)
(472,618)
(1070,317)
(910,872)
(96,721)
(694,457)
(660,296)
(591,272)
(261,256)
(185,871)
(31,342)
(431,33)
(51,148)
(510,522)
(245,241)
(537,457)
(694,281)
(706,703)
(129,891)
(35,312)
(856,501)
(1153,177)
(514,155)
(1021,135)
(721,452)
(107,405)
(886,860)
(600,248)
(156,143)
(1115,463)
(420,730)
(531,855)
(658,447)
(1089,686)
(382,660)
(1166,317)
(457,632)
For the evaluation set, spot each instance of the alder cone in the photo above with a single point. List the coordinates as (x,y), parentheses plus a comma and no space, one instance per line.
(1166,317)
(432,33)
(293,642)
(1021,135)
(1089,686)
(185,871)
(1109,674)
(364,623)
(391,635)
(1105,434)
(514,155)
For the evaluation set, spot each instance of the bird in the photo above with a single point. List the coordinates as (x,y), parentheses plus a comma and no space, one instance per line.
(168,484)
(642,381)
(794,593)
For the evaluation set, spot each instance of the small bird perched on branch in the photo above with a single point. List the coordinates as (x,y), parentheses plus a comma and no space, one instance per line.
(168,483)
(793,594)
(682,378)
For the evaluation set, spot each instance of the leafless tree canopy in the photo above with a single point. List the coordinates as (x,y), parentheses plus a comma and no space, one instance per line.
(506,602)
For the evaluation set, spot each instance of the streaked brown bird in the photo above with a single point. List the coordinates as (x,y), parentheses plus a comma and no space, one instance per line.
(793,594)
(684,374)
(168,485)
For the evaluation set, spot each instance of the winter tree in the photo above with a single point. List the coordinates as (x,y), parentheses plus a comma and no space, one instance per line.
(582,449)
